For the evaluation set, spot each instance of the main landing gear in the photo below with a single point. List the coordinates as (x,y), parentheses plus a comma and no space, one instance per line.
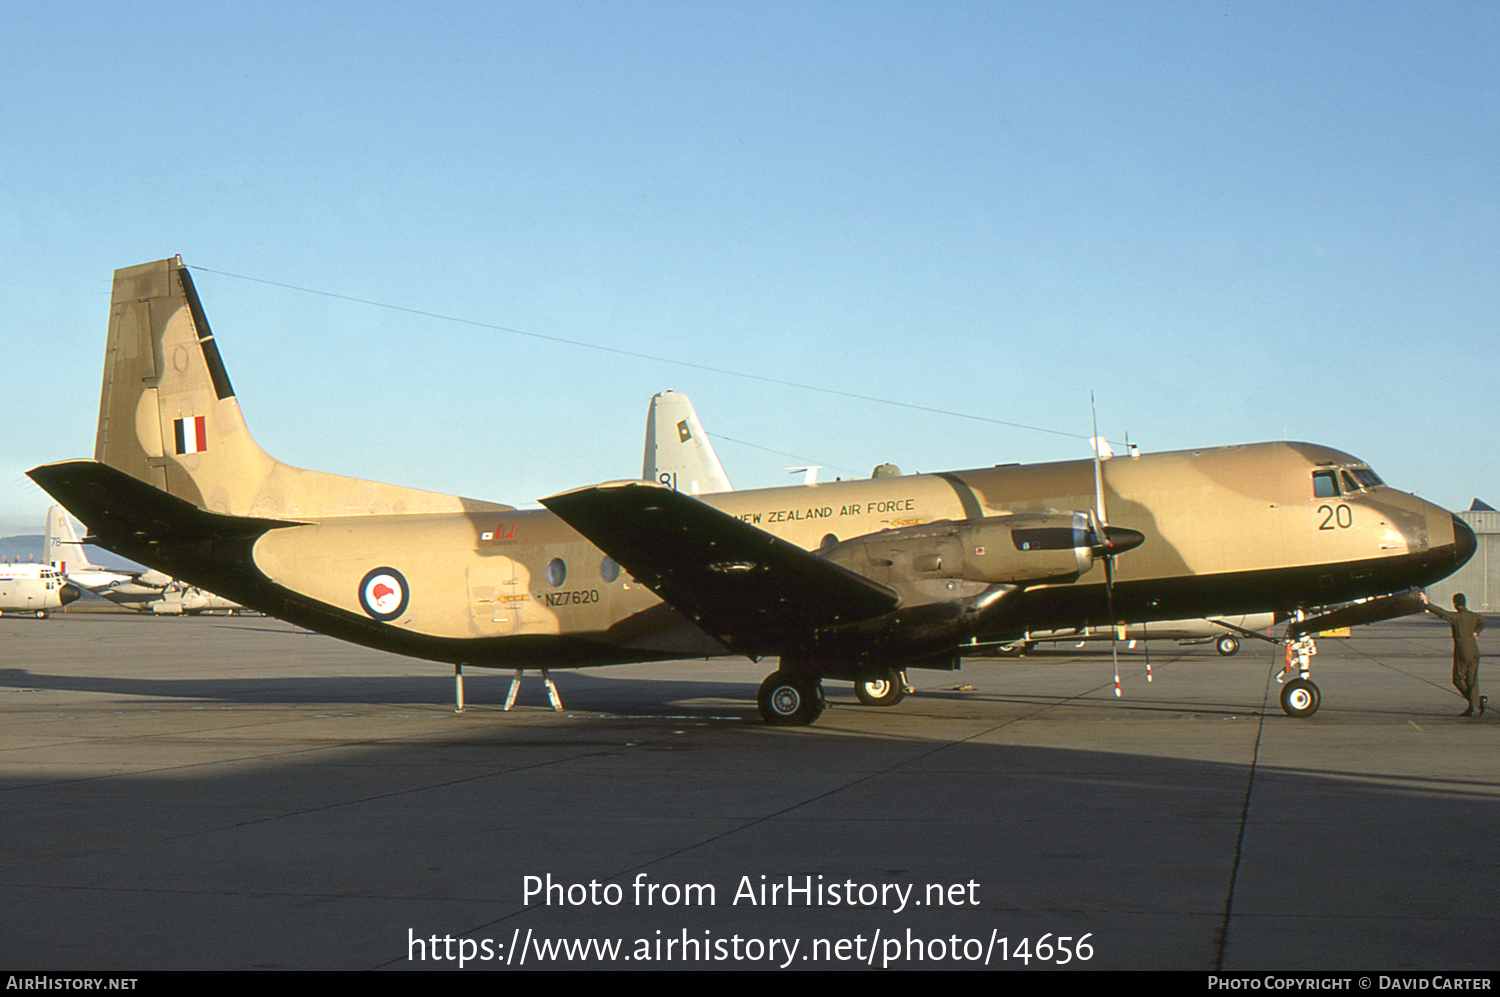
(887,690)
(794,699)
(787,699)
(1227,644)
(1299,697)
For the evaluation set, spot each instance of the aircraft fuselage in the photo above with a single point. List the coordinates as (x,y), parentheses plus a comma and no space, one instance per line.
(1227,530)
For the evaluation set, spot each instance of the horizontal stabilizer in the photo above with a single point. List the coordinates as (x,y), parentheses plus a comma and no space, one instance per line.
(751,590)
(123,511)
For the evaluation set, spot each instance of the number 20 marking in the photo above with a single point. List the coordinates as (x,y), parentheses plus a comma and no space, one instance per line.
(1340,516)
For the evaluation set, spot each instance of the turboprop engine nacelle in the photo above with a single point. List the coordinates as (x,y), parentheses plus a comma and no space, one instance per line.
(1017,549)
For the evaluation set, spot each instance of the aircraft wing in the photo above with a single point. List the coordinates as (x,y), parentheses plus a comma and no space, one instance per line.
(751,590)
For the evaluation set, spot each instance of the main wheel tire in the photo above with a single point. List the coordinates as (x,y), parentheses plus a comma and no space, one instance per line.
(884,691)
(41,614)
(1228,644)
(1300,698)
(790,700)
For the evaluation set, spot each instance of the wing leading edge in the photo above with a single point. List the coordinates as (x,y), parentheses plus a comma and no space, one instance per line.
(755,592)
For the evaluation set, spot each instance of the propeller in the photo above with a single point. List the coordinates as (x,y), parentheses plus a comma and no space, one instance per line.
(1109,542)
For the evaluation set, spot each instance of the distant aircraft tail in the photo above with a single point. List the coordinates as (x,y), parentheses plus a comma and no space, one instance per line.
(64,550)
(678,453)
(168,416)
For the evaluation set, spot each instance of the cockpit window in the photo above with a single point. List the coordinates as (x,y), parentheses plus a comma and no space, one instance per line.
(1356,479)
(1325,485)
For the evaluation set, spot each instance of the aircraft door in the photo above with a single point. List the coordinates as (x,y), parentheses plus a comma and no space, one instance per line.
(496,596)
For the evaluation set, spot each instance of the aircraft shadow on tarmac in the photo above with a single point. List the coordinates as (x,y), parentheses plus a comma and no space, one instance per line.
(588,691)
(655,690)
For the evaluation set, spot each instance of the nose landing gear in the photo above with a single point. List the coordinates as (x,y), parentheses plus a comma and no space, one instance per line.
(1299,697)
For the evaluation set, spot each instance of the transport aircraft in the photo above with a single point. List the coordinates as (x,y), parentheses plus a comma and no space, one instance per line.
(850,580)
(144,591)
(34,588)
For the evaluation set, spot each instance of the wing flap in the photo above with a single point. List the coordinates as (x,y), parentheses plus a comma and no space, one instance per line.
(751,590)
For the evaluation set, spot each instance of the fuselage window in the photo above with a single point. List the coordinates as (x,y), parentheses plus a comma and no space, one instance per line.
(557,572)
(608,569)
(829,540)
(1324,485)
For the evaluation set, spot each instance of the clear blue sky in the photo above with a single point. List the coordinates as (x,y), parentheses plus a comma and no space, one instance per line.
(1232,221)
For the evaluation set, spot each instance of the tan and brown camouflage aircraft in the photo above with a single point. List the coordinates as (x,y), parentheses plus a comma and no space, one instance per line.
(852,580)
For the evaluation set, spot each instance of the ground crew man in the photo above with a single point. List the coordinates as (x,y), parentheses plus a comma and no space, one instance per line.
(1466,627)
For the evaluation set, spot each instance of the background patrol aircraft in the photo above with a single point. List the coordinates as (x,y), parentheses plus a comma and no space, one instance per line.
(34,589)
(144,591)
(909,571)
(678,452)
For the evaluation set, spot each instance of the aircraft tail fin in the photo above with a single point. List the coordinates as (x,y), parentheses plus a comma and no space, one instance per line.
(678,452)
(64,550)
(167,411)
(168,416)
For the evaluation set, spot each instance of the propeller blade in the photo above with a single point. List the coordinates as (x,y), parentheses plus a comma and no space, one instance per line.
(1114,630)
(1146,643)
(1098,465)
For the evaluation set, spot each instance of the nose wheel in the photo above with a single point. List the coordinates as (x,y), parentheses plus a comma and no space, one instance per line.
(1299,697)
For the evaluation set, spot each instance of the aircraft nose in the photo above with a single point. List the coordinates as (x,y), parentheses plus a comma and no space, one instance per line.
(1464,542)
(68,593)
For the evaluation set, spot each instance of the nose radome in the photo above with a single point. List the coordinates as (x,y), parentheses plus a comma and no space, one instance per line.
(1464,542)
